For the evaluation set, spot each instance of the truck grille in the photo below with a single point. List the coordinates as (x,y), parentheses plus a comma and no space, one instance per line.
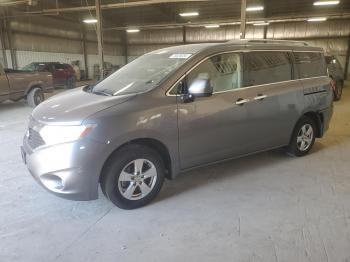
(34,139)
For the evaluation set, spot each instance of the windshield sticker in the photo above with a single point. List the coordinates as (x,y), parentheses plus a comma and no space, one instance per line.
(180,56)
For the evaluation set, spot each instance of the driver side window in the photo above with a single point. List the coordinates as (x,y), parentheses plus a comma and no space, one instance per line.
(223,72)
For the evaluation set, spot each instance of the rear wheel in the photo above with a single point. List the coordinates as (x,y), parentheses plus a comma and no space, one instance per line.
(338,91)
(303,137)
(133,177)
(71,82)
(35,97)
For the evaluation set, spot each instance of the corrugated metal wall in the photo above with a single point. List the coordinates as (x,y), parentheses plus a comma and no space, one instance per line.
(330,35)
(47,39)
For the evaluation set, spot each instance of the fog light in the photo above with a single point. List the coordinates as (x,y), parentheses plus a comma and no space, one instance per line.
(52,182)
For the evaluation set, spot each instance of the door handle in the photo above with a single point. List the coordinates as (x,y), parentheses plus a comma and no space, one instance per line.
(242,101)
(260,97)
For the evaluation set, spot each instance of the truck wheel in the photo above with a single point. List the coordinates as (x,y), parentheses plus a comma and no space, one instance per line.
(338,90)
(35,97)
(71,82)
(303,137)
(133,176)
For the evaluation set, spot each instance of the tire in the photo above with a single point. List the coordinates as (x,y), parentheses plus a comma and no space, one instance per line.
(338,90)
(120,183)
(71,82)
(35,97)
(295,147)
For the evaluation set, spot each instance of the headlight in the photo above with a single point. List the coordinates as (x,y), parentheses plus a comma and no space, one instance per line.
(63,134)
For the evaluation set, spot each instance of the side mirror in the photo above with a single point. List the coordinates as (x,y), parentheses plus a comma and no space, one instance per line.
(200,87)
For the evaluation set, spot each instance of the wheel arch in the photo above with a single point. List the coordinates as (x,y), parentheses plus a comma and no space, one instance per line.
(152,143)
(31,87)
(319,120)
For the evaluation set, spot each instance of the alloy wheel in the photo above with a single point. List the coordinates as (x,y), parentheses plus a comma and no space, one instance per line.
(305,137)
(137,179)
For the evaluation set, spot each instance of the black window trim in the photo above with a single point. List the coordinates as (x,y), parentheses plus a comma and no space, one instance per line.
(289,51)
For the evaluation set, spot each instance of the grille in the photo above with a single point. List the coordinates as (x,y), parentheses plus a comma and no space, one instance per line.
(34,139)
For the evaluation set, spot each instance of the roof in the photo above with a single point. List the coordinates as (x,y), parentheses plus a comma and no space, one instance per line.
(244,43)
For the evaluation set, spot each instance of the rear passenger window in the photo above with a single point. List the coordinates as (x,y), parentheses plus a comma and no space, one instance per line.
(223,71)
(266,67)
(310,64)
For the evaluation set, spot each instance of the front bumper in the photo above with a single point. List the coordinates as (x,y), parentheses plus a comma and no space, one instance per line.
(69,170)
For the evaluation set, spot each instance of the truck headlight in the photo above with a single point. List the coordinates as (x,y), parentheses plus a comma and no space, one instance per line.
(52,134)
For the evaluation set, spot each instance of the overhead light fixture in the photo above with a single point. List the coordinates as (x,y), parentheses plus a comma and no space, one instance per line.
(90,21)
(261,23)
(318,3)
(317,19)
(255,8)
(212,26)
(133,30)
(189,14)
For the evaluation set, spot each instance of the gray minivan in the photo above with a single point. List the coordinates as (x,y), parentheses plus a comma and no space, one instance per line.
(175,109)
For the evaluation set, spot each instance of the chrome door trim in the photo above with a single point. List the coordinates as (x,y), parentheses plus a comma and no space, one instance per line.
(261,97)
(242,102)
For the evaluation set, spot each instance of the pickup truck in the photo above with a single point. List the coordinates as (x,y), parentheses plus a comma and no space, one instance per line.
(17,84)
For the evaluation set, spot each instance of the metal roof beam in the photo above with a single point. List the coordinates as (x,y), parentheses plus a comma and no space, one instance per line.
(112,6)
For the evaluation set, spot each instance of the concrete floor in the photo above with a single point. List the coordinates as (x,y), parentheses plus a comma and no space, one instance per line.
(267,207)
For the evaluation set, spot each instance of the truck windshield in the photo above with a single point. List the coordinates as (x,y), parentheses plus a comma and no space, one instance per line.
(142,74)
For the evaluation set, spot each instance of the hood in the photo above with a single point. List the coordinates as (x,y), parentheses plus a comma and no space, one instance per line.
(74,106)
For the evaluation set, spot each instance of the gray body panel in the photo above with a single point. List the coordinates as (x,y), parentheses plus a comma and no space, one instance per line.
(207,130)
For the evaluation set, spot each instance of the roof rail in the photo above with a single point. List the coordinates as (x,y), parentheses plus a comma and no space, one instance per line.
(284,42)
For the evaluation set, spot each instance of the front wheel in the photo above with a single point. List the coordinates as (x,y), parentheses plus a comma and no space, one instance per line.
(303,137)
(133,176)
(35,97)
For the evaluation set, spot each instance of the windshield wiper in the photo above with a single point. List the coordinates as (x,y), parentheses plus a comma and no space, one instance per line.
(101,93)
(104,93)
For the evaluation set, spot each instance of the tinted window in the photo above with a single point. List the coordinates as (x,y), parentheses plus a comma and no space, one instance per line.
(266,67)
(42,68)
(310,64)
(31,67)
(59,66)
(223,71)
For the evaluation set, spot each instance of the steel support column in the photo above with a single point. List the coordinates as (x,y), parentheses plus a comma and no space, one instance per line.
(243,18)
(3,45)
(83,43)
(99,37)
(184,40)
(8,31)
(346,69)
(125,45)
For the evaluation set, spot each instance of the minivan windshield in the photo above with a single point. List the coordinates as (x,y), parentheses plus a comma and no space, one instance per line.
(142,74)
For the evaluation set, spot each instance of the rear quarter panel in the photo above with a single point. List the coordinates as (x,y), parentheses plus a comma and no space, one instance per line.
(317,93)
(318,97)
